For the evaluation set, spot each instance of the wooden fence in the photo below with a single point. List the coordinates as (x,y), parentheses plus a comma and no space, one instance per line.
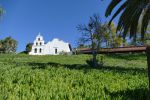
(115,50)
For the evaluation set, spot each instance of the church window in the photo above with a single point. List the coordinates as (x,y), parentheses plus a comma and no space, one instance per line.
(40,43)
(36,43)
(38,39)
(35,50)
(56,51)
(40,50)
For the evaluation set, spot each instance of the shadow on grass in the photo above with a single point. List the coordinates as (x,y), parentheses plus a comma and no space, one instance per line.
(116,69)
(137,94)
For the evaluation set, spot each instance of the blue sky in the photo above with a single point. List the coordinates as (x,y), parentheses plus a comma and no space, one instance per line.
(24,19)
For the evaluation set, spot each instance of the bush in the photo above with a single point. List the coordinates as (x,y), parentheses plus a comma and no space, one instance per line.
(23,52)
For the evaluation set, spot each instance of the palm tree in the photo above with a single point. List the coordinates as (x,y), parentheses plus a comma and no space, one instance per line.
(132,12)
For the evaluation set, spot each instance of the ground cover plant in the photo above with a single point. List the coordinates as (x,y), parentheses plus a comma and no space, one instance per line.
(24,77)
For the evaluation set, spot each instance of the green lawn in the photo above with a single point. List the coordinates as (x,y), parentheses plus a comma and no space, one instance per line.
(24,77)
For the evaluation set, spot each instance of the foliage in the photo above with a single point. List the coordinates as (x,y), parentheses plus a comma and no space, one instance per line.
(111,38)
(9,45)
(123,77)
(93,33)
(82,45)
(132,12)
(146,40)
(29,47)
(23,52)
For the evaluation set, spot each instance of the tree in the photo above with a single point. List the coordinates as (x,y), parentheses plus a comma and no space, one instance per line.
(132,11)
(28,47)
(93,34)
(129,19)
(111,38)
(146,40)
(81,43)
(9,45)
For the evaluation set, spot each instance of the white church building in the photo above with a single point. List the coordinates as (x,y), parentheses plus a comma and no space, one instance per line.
(54,47)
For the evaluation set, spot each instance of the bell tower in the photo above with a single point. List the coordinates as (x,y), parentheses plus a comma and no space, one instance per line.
(39,41)
(38,46)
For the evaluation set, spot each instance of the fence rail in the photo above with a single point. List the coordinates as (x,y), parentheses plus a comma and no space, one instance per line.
(115,50)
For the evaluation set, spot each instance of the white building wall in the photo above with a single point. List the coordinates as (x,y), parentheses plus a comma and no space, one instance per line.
(50,47)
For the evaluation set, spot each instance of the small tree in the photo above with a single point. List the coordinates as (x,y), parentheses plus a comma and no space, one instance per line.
(111,38)
(29,47)
(9,45)
(93,34)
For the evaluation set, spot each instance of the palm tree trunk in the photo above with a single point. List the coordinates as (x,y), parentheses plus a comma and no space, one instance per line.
(148,63)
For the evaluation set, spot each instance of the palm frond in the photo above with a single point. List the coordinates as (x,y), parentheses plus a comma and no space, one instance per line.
(118,11)
(111,6)
(131,14)
(145,22)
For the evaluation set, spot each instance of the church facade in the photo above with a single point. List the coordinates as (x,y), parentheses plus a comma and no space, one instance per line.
(54,47)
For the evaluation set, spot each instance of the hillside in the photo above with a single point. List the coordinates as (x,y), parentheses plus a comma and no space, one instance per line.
(68,77)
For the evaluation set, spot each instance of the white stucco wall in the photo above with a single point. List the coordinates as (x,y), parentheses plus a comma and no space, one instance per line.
(49,48)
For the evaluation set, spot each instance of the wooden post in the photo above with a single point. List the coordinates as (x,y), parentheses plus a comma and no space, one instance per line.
(148,63)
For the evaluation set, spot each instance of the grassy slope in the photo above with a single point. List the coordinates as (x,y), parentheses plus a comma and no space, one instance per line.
(57,77)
